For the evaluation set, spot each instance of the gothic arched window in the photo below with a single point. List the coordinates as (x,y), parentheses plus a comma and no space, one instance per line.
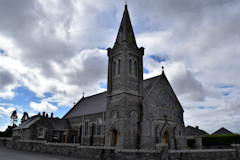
(134,119)
(150,126)
(135,68)
(114,68)
(114,115)
(164,99)
(119,65)
(86,128)
(130,66)
(99,126)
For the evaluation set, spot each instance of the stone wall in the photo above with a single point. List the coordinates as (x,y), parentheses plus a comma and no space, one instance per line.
(204,154)
(110,153)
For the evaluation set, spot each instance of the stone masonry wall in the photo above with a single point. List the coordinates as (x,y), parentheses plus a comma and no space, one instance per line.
(111,153)
(207,154)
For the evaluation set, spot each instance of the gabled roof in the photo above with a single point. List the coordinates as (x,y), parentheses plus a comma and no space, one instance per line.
(125,32)
(26,124)
(59,124)
(94,104)
(222,131)
(194,131)
(97,103)
(148,84)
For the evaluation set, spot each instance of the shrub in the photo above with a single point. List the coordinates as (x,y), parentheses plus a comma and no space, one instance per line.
(229,139)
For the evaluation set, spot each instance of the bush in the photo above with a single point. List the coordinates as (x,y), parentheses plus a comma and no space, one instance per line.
(209,140)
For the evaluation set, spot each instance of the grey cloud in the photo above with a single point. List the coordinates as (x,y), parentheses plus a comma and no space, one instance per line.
(6,79)
(188,86)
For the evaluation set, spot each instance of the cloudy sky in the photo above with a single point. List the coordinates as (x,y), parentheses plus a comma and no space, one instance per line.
(53,51)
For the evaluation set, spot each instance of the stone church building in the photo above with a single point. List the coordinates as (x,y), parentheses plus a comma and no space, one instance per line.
(132,113)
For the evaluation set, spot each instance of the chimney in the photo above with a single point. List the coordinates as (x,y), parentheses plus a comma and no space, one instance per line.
(43,114)
(197,127)
(51,115)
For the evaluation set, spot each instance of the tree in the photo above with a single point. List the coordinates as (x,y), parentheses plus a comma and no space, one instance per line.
(14,117)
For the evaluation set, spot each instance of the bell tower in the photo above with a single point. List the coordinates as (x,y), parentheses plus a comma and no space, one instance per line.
(125,88)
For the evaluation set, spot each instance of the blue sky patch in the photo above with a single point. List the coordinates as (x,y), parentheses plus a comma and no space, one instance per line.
(158,59)
(145,70)
(102,48)
(48,94)
(22,97)
(201,107)
(103,85)
(226,93)
(227,86)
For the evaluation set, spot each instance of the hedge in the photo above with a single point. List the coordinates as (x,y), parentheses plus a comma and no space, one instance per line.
(229,139)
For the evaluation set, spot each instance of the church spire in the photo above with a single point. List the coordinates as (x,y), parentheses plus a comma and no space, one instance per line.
(125,32)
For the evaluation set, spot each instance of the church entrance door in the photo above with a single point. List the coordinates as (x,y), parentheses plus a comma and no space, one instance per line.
(166,139)
(114,137)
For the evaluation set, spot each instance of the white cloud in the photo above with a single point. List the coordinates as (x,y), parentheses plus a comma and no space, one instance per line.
(44,106)
(8,111)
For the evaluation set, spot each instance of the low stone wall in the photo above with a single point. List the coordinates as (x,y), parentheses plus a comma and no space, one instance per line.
(110,153)
(82,152)
(204,154)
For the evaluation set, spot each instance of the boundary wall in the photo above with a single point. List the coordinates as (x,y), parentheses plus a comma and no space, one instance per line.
(111,153)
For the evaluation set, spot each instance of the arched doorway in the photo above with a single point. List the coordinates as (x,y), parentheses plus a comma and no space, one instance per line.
(114,137)
(166,139)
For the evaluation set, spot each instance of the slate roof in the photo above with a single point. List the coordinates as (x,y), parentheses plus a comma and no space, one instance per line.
(94,104)
(28,122)
(194,131)
(97,103)
(58,124)
(149,83)
(222,131)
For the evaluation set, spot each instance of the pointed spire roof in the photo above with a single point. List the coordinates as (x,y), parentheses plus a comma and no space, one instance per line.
(125,32)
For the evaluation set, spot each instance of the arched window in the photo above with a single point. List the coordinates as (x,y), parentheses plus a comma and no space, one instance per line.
(119,65)
(135,68)
(86,128)
(150,119)
(164,100)
(134,119)
(130,66)
(114,68)
(99,126)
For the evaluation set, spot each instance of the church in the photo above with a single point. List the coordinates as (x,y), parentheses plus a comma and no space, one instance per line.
(133,113)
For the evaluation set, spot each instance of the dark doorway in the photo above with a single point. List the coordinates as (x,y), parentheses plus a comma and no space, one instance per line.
(114,137)
(91,138)
(80,135)
(166,139)
(72,139)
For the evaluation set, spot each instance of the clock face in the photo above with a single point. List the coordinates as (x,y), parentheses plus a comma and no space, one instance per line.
(164,100)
